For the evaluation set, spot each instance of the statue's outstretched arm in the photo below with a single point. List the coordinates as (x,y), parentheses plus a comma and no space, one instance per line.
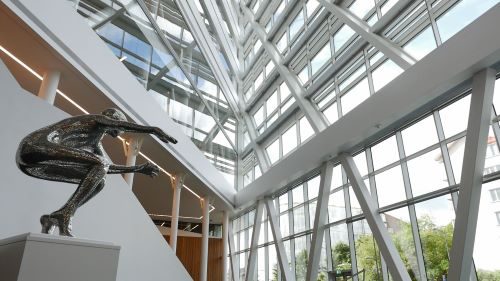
(149,169)
(135,128)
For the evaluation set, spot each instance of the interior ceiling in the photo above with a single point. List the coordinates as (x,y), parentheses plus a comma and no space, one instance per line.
(155,194)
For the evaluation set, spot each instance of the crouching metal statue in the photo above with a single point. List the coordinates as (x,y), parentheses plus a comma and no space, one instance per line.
(71,151)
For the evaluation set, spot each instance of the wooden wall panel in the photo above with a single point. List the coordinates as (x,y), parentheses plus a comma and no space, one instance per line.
(189,253)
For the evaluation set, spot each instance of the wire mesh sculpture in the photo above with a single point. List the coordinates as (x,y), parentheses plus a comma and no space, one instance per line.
(71,151)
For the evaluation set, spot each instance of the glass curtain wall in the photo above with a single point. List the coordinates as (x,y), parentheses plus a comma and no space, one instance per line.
(338,68)
(176,76)
(413,174)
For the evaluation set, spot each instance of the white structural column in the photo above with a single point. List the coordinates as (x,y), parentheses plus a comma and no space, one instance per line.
(232,256)
(472,174)
(395,53)
(319,221)
(177,182)
(250,276)
(315,118)
(205,207)
(286,273)
(225,244)
(380,233)
(131,151)
(48,89)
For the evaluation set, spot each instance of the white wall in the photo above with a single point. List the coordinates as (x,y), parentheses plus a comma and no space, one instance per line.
(114,215)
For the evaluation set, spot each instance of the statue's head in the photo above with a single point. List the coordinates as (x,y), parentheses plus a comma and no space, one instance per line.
(115,114)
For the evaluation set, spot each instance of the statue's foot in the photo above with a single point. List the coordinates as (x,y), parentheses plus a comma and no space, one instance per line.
(48,224)
(63,221)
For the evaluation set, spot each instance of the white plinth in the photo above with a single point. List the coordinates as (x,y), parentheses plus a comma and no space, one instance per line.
(43,257)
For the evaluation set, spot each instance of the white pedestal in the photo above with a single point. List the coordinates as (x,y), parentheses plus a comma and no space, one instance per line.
(43,257)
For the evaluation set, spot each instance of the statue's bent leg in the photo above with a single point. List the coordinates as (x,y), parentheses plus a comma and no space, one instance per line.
(87,189)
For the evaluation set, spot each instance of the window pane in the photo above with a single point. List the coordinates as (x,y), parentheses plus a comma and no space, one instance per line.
(273,151)
(342,36)
(419,135)
(283,199)
(390,186)
(272,103)
(306,130)
(321,58)
(360,161)
(284,225)
(385,153)
(331,113)
(341,253)
(289,139)
(336,206)
(435,224)
(355,207)
(361,7)
(461,15)
(300,258)
(258,116)
(313,187)
(296,24)
(299,219)
(258,80)
(384,74)
(281,44)
(298,195)
(427,173)
(261,264)
(355,96)
(367,254)
(488,230)
(304,75)
(399,226)
(284,91)
(455,116)
(422,44)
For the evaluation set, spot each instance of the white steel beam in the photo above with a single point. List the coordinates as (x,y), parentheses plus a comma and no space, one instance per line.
(177,182)
(225,244)
(232,256)
(286,273)
(205,207)
(232,18)
(382,237)
(320,219)
(252,255)
(215,17)
(315,118)
(131,151)
(200,32)
(395,53)
(48,88)
(472,175)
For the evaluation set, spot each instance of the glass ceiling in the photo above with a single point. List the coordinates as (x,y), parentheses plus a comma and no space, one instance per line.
(337,67)
(168,62)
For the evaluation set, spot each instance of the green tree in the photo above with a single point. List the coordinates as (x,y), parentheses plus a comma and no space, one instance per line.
(436,244)
(368,258)
(485,275)
(301,260)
